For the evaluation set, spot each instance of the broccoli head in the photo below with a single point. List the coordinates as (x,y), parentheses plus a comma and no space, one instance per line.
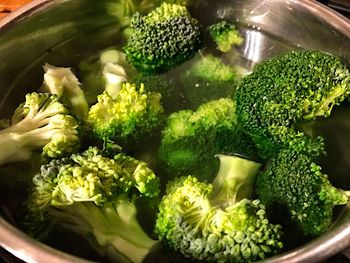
(39,123)
(128,117)
(225,35)
(94,196)
(218,221)
(190,139)
(208,78)
(294,182)
(281,92)
(163,39)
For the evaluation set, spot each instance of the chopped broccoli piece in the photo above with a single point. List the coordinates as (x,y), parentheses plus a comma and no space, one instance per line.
(218,221)
(40,123)
(94,196)
(190,139)
(225,35)
(208,78)
(129,117)
(106,72)
(163,39)
(283,91)
(114,76)
(294,182)
(62,82)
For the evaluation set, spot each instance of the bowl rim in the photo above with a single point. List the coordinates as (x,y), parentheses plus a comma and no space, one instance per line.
(28,249)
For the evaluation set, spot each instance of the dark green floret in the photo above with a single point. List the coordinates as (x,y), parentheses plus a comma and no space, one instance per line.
(218,221)
(127,118)
(296,184)
(191,139)
(163,39)
(208,78)
(225,35)
(283,91)
(164,85)
(41,123)
(94,196)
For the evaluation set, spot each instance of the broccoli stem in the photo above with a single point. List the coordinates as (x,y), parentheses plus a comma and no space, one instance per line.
(12,149)
(18,144)
(62,82)
(235,180)
(33,120)
(115,228)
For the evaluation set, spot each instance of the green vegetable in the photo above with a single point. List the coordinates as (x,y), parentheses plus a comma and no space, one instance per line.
(94,196)
(165,85)
(218,221)
(283,91)
(63,83)
(40,123)
(163,39)
(103,73)
(190,139)
(114,76)
(208,78)
(225,35)
(129,117)
(294,182)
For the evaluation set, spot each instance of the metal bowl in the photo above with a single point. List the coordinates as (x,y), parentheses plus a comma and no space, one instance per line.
(62,32)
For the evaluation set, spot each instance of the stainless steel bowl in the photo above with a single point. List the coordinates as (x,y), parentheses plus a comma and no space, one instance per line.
(63,32)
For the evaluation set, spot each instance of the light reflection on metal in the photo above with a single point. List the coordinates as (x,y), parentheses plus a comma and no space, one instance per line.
(253,46)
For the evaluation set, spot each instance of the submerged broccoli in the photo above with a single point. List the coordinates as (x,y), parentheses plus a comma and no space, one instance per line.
(208,79)
(94,196)
(191,138)
(103,73)
(166,86)
(292,181)
(63,83)
(127,118)
(163,39)
(43,123)
(218,221)
(225,35)
(283,91)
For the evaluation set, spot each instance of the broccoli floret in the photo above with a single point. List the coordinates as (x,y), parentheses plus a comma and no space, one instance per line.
(129,117)
(190,139)
(40,123)
(163,39)
(63,83)
(281,92)
(294,182)
(106,72)
(165,85)
(94,196)
(208,78)
(225,35)
(218,221)
(179,2)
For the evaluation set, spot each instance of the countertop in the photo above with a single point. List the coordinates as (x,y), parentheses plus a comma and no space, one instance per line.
(7,6)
